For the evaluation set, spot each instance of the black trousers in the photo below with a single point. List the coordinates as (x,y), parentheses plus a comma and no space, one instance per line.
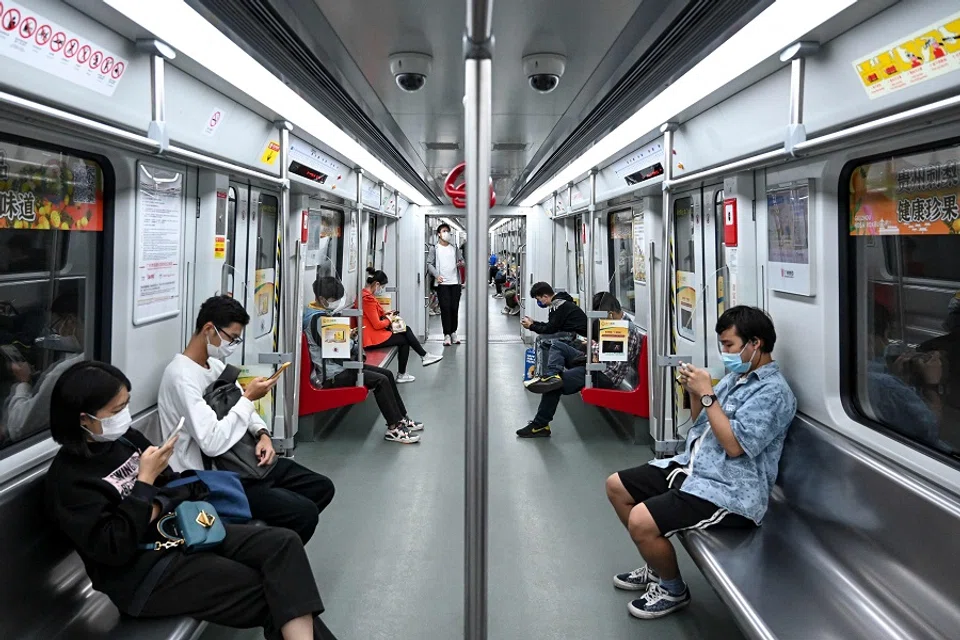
(258,577)
(404,342)
(493,273)
(292,497)
(384,387)
(449,295)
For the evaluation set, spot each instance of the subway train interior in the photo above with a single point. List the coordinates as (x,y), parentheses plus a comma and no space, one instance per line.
(431,212)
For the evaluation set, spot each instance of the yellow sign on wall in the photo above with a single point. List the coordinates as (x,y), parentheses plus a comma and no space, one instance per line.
(918,57)
(270,152)
(219,247)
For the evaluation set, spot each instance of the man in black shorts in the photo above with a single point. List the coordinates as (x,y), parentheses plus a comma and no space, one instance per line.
(728,466)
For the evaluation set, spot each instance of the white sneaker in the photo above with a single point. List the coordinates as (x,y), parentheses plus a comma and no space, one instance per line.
(412,425)
(446,341)
(401,435)
(429,359)
(405,377)
(454,339)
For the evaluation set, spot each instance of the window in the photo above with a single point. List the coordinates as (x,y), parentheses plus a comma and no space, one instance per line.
(620,231)
(686,267)
(722,275)
(903,240)
(578,251)
(265,277)
(325,241)
(52,211)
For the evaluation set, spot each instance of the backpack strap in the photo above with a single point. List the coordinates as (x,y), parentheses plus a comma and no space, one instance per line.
(229,374)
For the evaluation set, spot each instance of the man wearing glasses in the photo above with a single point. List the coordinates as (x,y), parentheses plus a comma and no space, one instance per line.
(290,495)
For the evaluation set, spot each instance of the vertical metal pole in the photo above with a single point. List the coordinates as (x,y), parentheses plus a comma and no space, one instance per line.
(158,52)
(664,406)
(292,293)
(588,267)
(157,102)
(796,90)
(477,146)
(361,266)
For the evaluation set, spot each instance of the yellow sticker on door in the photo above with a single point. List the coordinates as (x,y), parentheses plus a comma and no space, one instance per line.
(270,152)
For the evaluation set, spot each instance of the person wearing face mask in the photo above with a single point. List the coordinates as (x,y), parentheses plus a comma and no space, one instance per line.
(328,373)
(565,321)
(377,331)
(290,495)
(444,260)
(108,487)
(727,468)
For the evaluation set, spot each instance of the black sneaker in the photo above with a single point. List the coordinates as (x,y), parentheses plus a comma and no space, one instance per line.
(546,384)
(534,431)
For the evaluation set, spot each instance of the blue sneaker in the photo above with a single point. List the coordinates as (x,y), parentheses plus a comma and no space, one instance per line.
(636,580)
(658,602)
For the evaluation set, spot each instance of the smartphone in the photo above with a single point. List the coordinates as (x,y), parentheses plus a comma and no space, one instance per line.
(175,432)
(282,368)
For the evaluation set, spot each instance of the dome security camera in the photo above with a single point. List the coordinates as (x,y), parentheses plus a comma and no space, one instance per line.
(544,70)
(410,70)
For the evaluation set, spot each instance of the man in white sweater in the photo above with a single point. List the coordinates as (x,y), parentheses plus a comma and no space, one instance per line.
(291,495)
(444,260)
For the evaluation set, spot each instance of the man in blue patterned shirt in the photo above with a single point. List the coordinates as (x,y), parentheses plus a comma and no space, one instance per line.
(727,469)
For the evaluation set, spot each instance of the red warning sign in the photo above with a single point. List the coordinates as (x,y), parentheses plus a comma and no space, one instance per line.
(107,65)
(43,35)
(84,54)
(57,41)
(118,71)
(28,26)
(11,19)
(71,49)
(95,60)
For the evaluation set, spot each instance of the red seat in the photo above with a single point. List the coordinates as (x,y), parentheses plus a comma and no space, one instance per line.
(636,402)
(313,400)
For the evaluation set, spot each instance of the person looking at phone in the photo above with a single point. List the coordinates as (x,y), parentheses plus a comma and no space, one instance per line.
(329,373)
(290,495)
(378,328)
(444,260)
(728,466)
(106,490)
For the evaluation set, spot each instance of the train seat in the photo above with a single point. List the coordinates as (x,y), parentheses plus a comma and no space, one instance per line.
(314,400)
(45,592)
(632,400)
(852,547)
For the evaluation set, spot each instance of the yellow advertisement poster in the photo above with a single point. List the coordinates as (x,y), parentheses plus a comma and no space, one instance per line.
(639,254)
(264,405)
(918,57)
(614,338)
(335,334)
(910,195)
(686,303)
(219,247)
(263,301)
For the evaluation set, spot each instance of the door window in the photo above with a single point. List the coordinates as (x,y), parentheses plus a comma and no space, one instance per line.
(686,267)
(266,274)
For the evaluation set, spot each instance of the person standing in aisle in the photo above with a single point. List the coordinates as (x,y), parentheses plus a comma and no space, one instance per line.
(443,262)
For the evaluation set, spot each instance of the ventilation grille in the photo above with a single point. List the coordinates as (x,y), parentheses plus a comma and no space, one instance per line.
(511,146)
(258,26)
(701,24)
(441,146)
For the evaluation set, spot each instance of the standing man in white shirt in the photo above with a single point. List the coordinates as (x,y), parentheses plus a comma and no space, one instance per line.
(290,495)
(443,262)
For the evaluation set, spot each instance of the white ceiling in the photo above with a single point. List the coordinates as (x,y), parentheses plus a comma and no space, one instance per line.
(371,30)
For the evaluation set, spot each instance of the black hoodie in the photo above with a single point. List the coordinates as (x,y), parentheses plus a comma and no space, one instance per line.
(100,505)
(565,317)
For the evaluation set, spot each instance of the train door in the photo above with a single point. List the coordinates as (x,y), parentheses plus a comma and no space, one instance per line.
(250,271)
(716,282)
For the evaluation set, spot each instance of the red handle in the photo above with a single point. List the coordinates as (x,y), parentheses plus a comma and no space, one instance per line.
(458,192)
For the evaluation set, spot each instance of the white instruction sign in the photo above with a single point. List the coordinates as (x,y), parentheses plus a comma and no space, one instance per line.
(159,234)
(32,39)
(213,123)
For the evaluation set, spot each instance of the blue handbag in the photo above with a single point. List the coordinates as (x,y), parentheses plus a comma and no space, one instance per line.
(226,493)
(195,526)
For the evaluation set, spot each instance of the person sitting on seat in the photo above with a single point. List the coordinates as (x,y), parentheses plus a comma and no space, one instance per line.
(378,332)
(329,373)
(727,469)
(564,323)
(573,361)
(511,299)
(107,490)
(290,495)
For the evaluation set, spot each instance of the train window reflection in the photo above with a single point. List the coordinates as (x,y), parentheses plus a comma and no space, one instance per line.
(51,222)
(904,234)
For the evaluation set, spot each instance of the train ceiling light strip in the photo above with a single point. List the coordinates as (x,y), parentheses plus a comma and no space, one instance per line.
(780,25)
(190,34)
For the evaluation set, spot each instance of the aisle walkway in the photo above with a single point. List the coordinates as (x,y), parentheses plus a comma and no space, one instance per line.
(388,553)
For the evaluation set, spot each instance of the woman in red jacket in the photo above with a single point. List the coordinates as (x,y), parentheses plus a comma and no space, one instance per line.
(377,330)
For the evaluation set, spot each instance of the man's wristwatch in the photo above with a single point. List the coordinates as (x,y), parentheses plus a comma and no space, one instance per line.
(708,400)
(261,433)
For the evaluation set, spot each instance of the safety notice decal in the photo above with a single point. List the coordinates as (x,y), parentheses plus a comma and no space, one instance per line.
(34,40)
(918,57)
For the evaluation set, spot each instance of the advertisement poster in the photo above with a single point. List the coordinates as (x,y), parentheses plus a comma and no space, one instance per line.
(639,253)
(263,301)
(335,333)
(44,190)
(264,405)
(911,195)
(918,57)
(158,243)
(686,304)
(788,233)
(614,336)
(354,230)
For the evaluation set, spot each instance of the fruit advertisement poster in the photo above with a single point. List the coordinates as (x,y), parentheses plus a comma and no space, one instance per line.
(910,195)
(46,190)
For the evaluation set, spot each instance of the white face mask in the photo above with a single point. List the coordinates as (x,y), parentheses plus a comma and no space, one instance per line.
(445,236)
(112,427)
(222,351)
